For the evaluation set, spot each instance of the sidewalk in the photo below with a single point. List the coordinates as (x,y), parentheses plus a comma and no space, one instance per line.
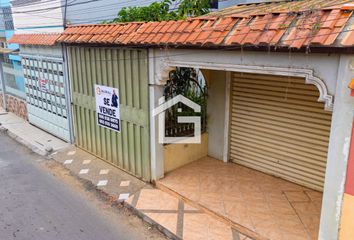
(115,183)
(172,215)
(37,140)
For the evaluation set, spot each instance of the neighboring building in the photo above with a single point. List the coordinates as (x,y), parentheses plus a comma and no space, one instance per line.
(229,3)
(46,84)
(11,64)
(39,16)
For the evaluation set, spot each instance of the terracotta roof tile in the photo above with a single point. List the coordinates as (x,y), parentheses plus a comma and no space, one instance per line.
(35,39)
(293,24)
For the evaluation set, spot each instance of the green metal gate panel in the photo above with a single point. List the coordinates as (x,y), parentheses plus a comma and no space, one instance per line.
(127,70)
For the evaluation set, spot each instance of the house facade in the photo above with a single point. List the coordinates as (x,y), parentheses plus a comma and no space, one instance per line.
(275,160)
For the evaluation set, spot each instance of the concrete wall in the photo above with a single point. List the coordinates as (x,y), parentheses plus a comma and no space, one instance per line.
(52,51)
(178,155)
(216,113)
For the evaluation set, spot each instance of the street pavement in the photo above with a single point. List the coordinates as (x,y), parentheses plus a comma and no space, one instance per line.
(36,205)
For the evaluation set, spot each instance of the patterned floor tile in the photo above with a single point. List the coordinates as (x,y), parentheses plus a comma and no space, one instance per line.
(270,206)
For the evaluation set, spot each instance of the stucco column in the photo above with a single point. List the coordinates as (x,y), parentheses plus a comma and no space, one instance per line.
(155,93)
(156,149)
(338,151)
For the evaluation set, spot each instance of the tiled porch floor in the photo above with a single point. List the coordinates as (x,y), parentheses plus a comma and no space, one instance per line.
(272,207)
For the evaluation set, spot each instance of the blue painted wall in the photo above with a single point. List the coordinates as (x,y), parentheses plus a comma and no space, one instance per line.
(15,59)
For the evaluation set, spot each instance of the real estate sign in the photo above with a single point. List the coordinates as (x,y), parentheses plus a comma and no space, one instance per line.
(107,107)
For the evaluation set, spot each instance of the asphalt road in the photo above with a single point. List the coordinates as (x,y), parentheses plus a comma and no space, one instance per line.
(36,205)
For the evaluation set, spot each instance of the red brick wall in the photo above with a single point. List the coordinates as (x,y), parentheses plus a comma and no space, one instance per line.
(16,106)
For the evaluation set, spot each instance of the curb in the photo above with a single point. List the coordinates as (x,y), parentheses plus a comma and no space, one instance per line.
(150,221)
(23,142)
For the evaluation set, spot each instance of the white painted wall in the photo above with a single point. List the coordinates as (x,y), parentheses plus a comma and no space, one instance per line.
(38,17)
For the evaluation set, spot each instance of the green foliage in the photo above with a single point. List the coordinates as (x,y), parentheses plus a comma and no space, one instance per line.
(192,8)
(157,11)
(161,11)
(184,81)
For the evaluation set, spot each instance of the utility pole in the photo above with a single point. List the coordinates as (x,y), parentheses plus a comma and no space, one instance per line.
(3,87)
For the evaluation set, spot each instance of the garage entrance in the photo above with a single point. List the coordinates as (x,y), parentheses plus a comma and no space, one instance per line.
(277,126)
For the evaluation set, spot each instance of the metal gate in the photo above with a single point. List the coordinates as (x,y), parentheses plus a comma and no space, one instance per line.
(278,127)
(45,94)
(127,70)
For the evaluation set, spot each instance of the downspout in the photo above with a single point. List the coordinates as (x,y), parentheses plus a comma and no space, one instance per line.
(65,10)
(3,85)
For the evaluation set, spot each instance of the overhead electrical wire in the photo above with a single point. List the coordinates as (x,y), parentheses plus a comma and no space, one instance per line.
(72,4)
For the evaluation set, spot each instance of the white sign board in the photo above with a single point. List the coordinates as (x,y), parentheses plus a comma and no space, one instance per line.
(107,107)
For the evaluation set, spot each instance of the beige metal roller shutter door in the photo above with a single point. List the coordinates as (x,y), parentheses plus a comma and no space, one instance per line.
(277,126)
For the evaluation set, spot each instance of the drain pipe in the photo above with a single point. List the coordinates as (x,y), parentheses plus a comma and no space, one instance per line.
(3,87)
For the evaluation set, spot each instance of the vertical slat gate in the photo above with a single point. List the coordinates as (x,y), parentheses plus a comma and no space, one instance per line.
(125,69)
